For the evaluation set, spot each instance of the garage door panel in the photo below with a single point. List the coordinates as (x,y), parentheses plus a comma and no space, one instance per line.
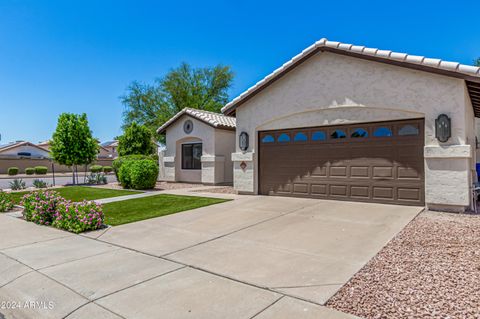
(385,168)
(359,172)
(359,191)
(338,190)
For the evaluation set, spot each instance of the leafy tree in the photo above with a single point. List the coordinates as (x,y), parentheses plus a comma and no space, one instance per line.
(477,62)
(200,88)
(136,140)
(72,143)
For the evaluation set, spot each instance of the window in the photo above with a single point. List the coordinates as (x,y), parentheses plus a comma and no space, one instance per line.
(268,139)
(300,137)
(382,131)
(359,132)
(338,134)
(191,156)
(408,130)
(318,136)
(283,138)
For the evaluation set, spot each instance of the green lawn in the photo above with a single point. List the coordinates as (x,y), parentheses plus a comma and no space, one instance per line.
(79,193)
(133,210)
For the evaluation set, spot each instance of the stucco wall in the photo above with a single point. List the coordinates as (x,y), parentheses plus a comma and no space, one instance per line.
(216,153)
(331,89)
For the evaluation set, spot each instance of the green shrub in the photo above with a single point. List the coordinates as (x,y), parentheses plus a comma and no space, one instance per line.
(29,170)
(138,174)
(96,168)
(107,169)
(12,171)
(38,183)
(6,202)
(17,184)
(78,217)
(40,206)
(41,170)
(117,163)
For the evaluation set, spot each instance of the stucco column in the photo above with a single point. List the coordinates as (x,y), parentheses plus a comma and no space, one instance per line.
(244,172)
(213,169)
(169,167)
(448,177)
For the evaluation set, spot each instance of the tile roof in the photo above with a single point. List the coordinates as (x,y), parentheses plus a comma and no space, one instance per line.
(216,120)
(467,72)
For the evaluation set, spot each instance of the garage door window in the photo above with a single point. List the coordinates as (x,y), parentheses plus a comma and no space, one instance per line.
(191,156)
(318,136)
(283,138)
(359,132)
(338,134)
(300,137)
(382,131)
(268,139)
(408,130)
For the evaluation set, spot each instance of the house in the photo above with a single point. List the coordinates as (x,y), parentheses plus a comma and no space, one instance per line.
(23,149)
(112,147)
(346,122)
(199,145)
(45,144)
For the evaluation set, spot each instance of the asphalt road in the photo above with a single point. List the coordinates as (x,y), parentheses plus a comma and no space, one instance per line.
(63,180)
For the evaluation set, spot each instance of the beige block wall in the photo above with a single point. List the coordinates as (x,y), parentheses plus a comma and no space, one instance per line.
(331,89)
(23,163)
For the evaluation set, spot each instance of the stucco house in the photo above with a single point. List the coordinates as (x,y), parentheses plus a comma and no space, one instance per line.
(23,149)
(346,122)
(199,146)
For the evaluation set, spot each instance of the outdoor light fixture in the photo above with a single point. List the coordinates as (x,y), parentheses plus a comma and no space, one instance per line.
(243,141)
(443,128)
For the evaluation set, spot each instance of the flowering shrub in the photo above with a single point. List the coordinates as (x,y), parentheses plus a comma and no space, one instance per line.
(49,208)
(78,217)
(6,202)
(40,206)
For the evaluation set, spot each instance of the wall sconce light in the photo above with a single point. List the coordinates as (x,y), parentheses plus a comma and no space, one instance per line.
(243,141)
(443,128)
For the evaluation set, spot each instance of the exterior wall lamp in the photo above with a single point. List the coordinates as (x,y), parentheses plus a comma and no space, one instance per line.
(443,128)
(243,141)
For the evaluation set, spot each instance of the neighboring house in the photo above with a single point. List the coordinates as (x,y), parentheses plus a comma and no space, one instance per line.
(22,149)
(112,147)
(345,122)
(104,153)
(45,144)
(199,145)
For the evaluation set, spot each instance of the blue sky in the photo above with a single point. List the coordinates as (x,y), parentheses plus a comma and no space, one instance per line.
(78,56)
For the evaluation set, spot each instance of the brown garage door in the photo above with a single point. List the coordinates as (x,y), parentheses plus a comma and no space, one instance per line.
(374,162)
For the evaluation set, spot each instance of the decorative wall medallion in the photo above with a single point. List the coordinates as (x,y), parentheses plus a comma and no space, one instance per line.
(243,166)
(243,141)
(188,126)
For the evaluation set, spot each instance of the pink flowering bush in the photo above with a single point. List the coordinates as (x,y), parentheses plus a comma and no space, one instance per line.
(40,206)
(78,217)
(49,208)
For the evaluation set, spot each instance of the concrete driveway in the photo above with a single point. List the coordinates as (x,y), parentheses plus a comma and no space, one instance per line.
(262,257)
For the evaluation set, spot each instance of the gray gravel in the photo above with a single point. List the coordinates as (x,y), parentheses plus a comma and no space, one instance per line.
(430,270)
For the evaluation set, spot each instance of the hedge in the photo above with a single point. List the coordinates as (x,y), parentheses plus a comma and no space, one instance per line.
(107,169)
(138,174)
(117,163)
(29,170)
(12,171)
(41,170)
(96,168)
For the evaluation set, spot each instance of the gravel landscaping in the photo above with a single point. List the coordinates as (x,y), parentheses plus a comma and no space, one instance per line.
(430,270)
